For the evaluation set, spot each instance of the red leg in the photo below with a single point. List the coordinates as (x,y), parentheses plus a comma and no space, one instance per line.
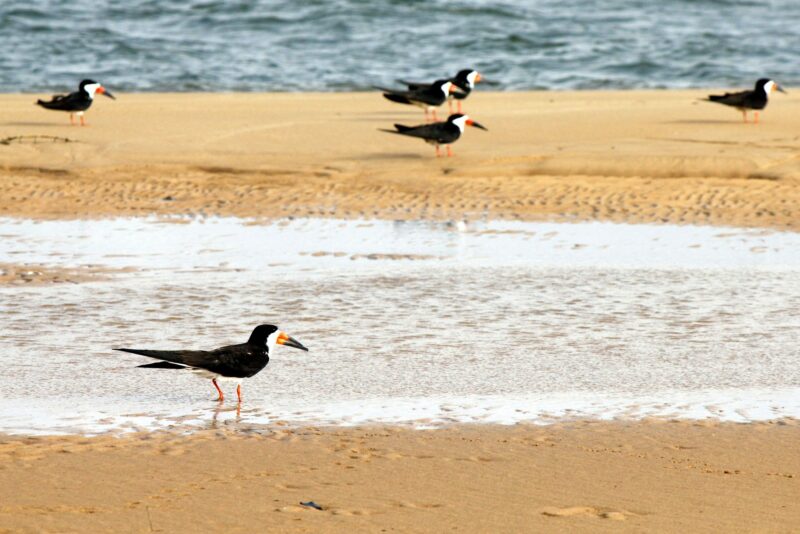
(450,106)
(239,393)
(72,119)
(459,107)
(449,151)
(756,121)
(221,394)
(83,122)
(437,151)
(435,118)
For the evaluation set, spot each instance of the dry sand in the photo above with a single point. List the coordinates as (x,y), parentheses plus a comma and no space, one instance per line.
(646,156)
(654,476)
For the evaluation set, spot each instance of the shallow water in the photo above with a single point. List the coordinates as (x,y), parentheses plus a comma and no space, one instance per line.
(407,322)
(341,45)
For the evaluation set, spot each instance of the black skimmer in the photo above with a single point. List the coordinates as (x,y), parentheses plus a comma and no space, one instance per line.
(744,100)
(465,80)
(428,97)
(231,362)
(438,133)
(78,102)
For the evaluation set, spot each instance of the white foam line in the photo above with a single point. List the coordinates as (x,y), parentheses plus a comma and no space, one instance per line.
(743,406)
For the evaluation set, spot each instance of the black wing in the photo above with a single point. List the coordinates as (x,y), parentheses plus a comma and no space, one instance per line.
(460,94)
(739,99)
(400,98)
(415,86)
(238,361)
(439,132)
(71,102)
(429,96)
(190,358)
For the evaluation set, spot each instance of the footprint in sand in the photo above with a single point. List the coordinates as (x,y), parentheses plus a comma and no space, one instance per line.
(587,511)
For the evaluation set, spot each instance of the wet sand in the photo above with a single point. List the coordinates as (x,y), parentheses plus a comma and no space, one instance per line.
(660,476)
(634,156)
(35,274)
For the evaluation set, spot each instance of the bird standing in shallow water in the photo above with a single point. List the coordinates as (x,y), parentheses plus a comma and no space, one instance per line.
(78,102)
(231,362)
(744,100)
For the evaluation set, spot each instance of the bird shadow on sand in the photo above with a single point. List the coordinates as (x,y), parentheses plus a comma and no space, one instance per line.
(387,116)
(38,124)
(702,121)
(394,155)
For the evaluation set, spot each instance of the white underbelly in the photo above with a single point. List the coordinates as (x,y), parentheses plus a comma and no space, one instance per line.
(214,376)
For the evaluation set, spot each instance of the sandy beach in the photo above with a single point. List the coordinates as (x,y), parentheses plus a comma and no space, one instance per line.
(663,476)
(635,156)
(624,156)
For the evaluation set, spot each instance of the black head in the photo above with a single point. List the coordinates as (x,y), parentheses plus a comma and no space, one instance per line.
(462,79)
(92,88)
(461,121)
(84,83)
(261,333)
(445,86)
(268,335)
(466,79)
(767,86)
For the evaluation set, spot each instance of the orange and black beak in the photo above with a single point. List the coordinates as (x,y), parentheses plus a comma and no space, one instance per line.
(102,90)
(478,77)
(289,341)
(471,122)
(777,87)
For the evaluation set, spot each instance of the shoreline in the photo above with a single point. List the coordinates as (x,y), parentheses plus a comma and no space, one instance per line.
(619,156)
(587,475)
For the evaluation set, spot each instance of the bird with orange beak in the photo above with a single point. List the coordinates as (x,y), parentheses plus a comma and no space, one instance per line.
(438,133)
(78,102)
(749,100)
(464,80)
(428,98)
(232,362)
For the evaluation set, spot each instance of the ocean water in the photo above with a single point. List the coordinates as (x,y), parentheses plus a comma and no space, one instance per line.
(347,45)
(415,323)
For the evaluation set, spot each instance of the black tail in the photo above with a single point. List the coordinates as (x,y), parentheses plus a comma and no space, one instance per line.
(412,86)
(162,365)
(400,129)
(400,99)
